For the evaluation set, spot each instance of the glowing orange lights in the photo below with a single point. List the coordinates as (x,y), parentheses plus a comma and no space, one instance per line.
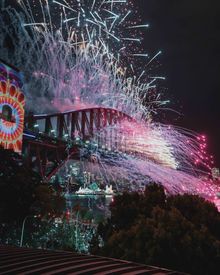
(11,109)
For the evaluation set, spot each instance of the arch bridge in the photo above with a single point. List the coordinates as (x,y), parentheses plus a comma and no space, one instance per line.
(49,140)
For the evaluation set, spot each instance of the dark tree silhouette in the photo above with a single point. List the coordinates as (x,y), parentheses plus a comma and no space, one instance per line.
(177,232)
(22,192)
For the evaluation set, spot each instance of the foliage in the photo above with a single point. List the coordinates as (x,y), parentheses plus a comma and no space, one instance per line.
(177,232)
(17,187)
(22,194)
(47,201)
(197,210)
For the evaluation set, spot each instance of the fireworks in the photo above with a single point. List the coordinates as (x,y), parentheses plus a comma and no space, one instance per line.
(89,21)
(164,145)
(85,53)
(62,67)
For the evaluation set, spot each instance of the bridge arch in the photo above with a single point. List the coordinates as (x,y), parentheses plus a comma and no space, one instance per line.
(51,137)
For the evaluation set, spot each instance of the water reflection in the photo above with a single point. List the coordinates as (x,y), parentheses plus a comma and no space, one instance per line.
(92,208)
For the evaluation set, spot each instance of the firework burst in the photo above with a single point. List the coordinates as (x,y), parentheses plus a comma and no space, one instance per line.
(62,67)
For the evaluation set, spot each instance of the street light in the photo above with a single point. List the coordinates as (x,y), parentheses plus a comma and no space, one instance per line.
(76,235)
(22,230)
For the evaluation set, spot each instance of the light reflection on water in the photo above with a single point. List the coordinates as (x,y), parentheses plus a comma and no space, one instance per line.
(90,207)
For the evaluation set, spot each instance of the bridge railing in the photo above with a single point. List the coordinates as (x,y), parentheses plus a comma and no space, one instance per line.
(84,124)
(55,137)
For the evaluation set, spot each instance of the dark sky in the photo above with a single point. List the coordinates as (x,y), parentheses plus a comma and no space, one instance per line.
(188,33)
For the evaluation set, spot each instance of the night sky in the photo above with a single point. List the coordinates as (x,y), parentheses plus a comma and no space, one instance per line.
(187,31)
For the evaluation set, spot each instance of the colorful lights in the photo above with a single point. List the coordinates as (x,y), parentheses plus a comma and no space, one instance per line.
(11,109)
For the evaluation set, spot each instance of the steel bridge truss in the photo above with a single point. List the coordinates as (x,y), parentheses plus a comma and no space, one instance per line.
(50,140)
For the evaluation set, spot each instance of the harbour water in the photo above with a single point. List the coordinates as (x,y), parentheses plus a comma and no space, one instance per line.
(92,208)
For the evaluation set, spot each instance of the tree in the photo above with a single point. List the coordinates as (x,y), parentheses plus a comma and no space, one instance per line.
(47,201)
(162,231)
(94,244)
(22,193)
(197,210)
(17,187)
(127,208)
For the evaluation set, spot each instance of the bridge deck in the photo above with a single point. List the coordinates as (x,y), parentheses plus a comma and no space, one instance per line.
(33,261)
